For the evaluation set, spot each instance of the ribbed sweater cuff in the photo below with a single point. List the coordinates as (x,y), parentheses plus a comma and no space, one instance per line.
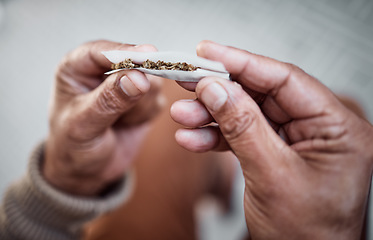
(35,210)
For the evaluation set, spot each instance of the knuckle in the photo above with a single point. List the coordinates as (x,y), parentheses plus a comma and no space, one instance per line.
(109,102)
(235,125)
(292,69)
(335,126)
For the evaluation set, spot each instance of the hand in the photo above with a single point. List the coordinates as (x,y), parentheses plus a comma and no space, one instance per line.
(97,124)
(313,184)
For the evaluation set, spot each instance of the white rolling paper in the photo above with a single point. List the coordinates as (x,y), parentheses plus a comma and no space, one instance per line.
(205,67)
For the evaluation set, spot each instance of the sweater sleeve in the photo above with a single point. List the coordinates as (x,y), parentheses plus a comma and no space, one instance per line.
(33,209)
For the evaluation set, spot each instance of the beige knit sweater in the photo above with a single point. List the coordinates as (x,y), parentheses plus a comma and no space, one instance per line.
(32,209)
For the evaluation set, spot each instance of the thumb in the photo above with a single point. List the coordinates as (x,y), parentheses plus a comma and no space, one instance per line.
(242,124)
(92,113)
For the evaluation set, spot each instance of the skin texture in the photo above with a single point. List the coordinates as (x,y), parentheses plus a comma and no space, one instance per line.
(98,132)
(169,182)
(312,183)
(97,126)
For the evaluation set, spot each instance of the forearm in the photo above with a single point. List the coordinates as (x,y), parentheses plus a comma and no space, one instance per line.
(32,209)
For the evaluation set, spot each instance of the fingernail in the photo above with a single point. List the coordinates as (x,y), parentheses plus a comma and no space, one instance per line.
(128,87)
(214,96)
(206,43)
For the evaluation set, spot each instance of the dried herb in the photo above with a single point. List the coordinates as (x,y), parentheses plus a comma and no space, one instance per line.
(159,65)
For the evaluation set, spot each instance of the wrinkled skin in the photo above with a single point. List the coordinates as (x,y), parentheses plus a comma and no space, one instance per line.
(314,184)
(97,126)
(103,126)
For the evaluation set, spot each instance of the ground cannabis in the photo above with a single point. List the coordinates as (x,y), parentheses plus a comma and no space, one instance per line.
(159,65)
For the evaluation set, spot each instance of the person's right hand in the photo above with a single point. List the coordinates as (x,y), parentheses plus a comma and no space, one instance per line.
(97,122)
(314,184)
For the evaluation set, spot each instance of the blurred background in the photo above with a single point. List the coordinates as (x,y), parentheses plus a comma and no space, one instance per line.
(330,39)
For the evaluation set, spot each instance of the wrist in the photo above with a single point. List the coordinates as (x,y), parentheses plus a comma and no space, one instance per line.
(71,183)
(58,171)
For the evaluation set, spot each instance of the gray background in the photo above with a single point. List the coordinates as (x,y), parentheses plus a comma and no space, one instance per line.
(330,39)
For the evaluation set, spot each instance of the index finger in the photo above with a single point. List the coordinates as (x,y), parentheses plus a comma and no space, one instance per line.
(296,93)
(88,60)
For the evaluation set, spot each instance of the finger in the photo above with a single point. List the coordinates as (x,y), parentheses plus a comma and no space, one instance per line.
(296,93)
(190,86)
(91,114)
(201,139)
(274,112)
(89,60)
(83,69)
(190,113)
(242,124)
(147,107)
